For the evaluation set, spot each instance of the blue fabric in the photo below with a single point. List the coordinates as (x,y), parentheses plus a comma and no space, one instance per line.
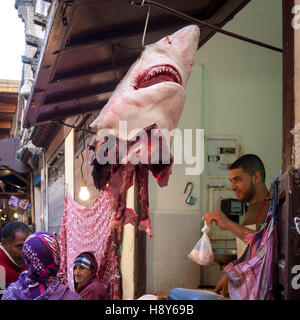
(275,197)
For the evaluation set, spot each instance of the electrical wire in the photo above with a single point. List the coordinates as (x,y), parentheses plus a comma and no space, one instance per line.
(113,61)
(82,157)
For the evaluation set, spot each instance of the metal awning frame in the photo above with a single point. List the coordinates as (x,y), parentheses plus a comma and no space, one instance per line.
(139,3)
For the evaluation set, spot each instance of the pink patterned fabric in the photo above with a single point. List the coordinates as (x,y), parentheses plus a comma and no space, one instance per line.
(251,277)
(87,229)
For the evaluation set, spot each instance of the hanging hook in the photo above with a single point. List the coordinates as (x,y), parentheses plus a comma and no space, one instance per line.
(146,24)
(137,3)
(189,183)
(190,200)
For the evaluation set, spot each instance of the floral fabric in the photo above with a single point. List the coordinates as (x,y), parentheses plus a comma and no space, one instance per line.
(88,229)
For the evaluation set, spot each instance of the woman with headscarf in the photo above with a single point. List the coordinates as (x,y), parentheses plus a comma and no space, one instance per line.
(85,278)
(39,281)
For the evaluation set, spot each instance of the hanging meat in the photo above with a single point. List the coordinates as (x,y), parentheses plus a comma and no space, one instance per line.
(133,128)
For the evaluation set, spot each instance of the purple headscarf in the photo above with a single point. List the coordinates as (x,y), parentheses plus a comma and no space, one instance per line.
(42,258)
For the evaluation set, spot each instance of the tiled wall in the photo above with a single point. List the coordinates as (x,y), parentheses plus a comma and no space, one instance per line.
(167,263)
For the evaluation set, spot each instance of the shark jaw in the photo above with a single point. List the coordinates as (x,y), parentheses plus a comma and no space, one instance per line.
(157,74)
(153,90)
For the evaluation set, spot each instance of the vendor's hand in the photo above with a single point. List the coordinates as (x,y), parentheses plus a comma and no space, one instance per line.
(219,217)
(222,287)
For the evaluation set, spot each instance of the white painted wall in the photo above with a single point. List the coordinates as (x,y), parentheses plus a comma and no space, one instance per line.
(243,83)
(37,209)
(127,254)
(243,97)
(234,90)
(69,162)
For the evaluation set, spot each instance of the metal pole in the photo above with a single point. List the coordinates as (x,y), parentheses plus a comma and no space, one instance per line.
(184,16)
(70,126)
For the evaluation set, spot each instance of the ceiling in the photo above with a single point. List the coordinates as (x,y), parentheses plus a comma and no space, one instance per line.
(90,44)
(8,153)
(8,106)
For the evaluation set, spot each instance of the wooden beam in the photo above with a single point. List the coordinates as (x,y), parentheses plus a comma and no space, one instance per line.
(4,135)
(15,194)
(80,93)
(288,94)
(69,112)
(5,116)
(7,108)
(121,66)
(10,99)
(17,174)
(5,125)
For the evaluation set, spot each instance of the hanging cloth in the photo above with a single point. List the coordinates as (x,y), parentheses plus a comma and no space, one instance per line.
(87,229)
(252,276)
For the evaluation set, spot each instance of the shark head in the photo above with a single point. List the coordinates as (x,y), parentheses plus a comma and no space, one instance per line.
(150,96)
(153,90)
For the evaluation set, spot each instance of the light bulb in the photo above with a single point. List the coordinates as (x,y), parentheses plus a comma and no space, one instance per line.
(84,192)
(16,216)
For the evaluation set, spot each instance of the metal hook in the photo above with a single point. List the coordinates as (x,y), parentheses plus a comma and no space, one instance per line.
(137,3)
(190,200)
(145,27)
(189,183)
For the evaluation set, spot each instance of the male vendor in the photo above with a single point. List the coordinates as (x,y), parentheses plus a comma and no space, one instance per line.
(247,176)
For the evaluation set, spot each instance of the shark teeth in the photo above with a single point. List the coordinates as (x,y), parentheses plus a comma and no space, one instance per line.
(173,73)
(166,72)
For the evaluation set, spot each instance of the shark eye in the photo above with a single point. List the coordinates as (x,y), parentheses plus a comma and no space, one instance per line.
(169,41)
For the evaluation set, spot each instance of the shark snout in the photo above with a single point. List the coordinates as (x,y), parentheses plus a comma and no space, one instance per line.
(187,40)
(188,37)
(192,31)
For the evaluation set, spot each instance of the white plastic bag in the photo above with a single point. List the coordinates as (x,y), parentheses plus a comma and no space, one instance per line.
(202,252)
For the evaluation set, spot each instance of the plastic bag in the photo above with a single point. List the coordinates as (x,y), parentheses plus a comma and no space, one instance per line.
(202,252)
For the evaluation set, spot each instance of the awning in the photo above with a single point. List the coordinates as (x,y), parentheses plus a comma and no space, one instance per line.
(89,46)
(8,151)
(13,172)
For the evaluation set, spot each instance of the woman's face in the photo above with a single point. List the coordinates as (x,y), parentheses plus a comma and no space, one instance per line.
(81,274)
